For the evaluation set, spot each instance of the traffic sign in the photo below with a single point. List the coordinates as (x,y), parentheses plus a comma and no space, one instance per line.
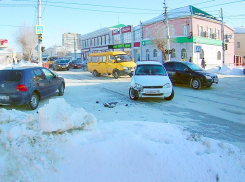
(198,48)
(39,29)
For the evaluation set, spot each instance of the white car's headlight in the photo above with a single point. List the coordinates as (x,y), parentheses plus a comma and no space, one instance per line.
(168,85)
(138,86)
(125,68)
(208,77)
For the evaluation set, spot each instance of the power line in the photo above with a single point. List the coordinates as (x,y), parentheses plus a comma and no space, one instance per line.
(223,4)
(94,5)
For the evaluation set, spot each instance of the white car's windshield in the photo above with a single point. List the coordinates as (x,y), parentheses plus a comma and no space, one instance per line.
(122,58)
(150,70)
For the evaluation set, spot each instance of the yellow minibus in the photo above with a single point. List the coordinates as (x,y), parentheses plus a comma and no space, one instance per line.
(117,63)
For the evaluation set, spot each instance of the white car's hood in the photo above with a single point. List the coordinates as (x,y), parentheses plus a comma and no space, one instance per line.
(151,80)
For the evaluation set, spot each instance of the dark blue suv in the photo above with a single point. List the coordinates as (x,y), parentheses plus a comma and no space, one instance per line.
(28,85)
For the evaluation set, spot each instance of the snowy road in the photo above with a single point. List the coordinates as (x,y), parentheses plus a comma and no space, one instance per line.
(217,112)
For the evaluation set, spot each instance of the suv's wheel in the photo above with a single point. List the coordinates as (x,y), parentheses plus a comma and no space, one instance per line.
(95,73)
(116,74)
(132,94)
(61,89)
(171,96)
(34,101)
(196,83)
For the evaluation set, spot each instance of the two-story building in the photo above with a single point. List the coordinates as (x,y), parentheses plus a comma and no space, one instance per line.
(239,58)
(193,33)
(118,37)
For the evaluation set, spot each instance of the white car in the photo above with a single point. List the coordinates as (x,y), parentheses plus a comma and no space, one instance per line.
(150,79)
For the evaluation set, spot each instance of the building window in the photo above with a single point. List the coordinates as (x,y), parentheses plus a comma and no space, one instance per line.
(117,39)
(155,53)
(172,31)
(147,33)
(107,40)
(147,55)
(173,55)
(137,35)
(184,30)
(200,31)
(210,33)
(217,34)
(238,45)
(219,55)
(127,37)
(183,53)
(99,41)
(96,41)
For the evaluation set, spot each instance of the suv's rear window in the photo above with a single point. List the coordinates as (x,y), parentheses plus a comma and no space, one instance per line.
(10,75)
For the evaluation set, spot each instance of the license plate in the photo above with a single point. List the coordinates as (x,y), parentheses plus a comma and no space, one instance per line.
(63,66)
(4,97)
(152,92)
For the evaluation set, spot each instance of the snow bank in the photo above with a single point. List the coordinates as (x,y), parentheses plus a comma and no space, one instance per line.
(63,117)
(227,70)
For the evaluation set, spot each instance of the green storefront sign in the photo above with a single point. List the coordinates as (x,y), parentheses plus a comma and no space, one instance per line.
(118,46)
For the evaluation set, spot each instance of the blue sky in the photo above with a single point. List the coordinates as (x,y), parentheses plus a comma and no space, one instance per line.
(76,16)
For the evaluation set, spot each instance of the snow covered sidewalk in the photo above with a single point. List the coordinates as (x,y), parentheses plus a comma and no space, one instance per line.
(61,143)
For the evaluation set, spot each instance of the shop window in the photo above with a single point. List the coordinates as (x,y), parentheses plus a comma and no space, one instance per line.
(173,55)
(202,54)
(183,53)
(147,54)
(155,53)
(219,55)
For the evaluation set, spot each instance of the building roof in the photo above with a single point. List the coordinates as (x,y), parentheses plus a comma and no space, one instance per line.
(118,26)
(181,12)
(240,30)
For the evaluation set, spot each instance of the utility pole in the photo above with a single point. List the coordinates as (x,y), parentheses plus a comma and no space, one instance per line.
(168,37)
(223,37)
(39,35)
(74,47)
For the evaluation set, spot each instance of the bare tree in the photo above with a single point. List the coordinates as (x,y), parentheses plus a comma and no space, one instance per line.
(27,40)
(159,37)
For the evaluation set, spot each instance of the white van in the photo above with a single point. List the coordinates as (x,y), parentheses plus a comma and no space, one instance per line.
(150,79)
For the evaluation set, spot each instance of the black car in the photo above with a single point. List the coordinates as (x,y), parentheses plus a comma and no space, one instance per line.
(190,74)
(76,64)
(28,85)
(61,64)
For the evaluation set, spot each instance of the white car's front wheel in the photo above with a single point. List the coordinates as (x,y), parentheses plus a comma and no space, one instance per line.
(132,94)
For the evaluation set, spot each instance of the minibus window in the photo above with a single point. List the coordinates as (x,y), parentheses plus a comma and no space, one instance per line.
(110,59)
(123,58)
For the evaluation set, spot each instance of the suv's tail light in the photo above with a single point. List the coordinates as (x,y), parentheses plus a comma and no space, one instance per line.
(22,88)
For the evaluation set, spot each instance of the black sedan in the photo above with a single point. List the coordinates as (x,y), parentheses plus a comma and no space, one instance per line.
(76,64)
(61,64)
(190,74)
(27,85)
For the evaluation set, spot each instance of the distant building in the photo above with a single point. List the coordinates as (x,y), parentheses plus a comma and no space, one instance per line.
(71,43)
(7,56)
(239,58)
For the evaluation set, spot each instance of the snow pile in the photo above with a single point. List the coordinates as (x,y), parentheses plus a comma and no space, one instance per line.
(113,151)
(227,70)
(24,143)
(63,117)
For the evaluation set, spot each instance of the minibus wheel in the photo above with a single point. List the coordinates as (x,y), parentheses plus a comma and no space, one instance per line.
(116,74)
(95,73)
